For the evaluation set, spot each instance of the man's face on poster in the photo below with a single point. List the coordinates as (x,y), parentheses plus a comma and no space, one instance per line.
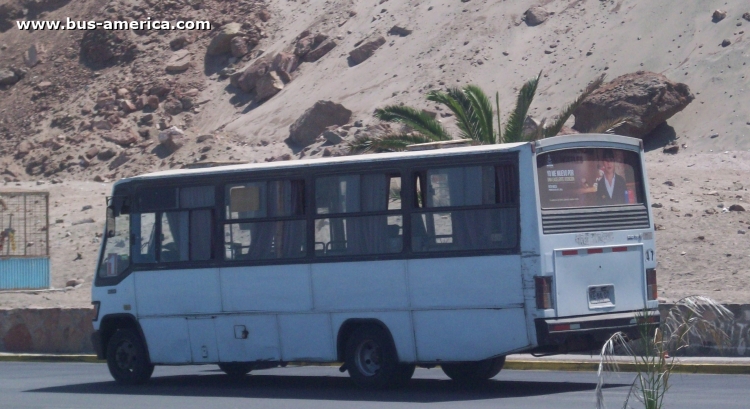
(609,165)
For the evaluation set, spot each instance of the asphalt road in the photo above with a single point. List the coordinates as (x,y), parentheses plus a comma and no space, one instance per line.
(82,385)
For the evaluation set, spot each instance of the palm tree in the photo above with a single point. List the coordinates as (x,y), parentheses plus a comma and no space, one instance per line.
(474,117)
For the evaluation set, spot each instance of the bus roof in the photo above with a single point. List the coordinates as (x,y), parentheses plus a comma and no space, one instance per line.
(375,157)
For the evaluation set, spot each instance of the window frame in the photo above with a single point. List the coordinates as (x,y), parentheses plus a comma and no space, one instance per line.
(405,167)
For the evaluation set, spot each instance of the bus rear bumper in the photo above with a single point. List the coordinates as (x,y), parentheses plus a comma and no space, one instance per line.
(588,332)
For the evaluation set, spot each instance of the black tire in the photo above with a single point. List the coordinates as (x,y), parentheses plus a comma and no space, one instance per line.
(236,369)
(372,361)
(127,358)
(474,372)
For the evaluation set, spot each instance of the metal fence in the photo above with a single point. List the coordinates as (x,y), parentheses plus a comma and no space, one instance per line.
(24,240)
(24,224)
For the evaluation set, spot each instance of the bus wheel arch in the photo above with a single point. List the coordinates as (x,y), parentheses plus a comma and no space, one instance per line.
(109,326)
(371,357)
(348,327)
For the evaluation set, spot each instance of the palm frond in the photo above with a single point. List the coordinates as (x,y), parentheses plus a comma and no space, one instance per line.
(560,120)
(692,318)
(514,126)
(538,132)
(456,101)
(386,143)
(482,107)
(499,135)
(611,125)
(415,119)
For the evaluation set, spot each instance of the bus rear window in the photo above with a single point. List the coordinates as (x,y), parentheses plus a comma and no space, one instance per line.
(589,177)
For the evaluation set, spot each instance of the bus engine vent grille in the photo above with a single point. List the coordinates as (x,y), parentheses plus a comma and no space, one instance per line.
(595,219)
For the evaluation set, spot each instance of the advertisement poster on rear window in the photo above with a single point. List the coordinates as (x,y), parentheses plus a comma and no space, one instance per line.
(589,177)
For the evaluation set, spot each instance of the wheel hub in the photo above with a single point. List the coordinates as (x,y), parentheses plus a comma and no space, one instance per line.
(368,358)
(126,356)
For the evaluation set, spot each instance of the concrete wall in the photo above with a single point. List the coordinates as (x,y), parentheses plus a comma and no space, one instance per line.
(68,330)
(46,330)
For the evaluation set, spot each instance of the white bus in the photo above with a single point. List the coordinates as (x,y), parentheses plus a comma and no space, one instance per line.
(454,257)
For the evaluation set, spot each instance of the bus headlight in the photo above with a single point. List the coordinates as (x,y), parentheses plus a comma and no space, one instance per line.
(96,305)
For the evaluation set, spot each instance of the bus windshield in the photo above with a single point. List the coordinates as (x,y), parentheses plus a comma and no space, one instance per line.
(589,177)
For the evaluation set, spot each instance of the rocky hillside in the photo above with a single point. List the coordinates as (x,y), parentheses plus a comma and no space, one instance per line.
(98,106)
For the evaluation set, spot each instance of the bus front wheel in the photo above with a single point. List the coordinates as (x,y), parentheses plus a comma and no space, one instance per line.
(127,358)
(372,361)
(472,372)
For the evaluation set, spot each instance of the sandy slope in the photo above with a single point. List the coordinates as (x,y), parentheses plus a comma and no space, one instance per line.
(456,43)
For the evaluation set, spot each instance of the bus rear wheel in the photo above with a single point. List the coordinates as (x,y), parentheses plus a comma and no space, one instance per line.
(472,372)
(236,369)
(372,361)
(127,358)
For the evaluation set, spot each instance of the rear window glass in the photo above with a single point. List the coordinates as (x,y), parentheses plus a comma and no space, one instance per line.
(589,177)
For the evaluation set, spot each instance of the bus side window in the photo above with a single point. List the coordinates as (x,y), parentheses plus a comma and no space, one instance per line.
(176,225)
(251,236)
(465,208)
(361,214)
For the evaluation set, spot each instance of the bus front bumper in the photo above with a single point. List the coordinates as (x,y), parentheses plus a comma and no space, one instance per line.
(591,331)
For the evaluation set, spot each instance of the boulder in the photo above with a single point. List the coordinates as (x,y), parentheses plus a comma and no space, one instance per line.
(124,139)
(718,15)
(320,51)
(316,119)
(250,76)
(238,46)
(646,97)
(120,160)
(102,125)
(160,90)
(332,136)
(172,138)
(268,86)
(399,31)
(264,15)
(8,76)
(284,76)
(179,62)
(106,154)
(92,152)
(127,106)
(23,149)
(536,15)
(366,50)
(172,106)
(31,56)
(178,43)
(287,62)
(101,48)
(152,101)
(221,44)
(304,45)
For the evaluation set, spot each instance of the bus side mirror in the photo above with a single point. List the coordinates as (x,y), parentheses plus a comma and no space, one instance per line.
(110,227)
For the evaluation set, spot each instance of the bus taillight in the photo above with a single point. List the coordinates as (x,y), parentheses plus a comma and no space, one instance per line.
(652,290)
(543,292)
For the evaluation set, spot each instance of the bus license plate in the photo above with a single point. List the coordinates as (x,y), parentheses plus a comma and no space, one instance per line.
(600,295)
